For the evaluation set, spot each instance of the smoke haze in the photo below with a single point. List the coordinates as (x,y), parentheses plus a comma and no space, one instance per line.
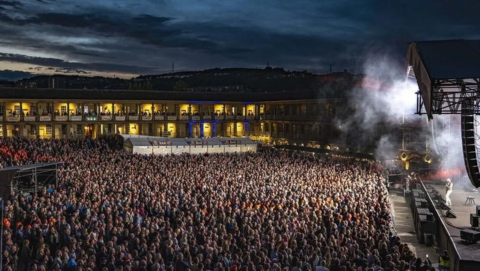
(377,112)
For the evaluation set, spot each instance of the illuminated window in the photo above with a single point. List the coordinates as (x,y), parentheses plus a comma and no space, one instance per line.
(49,129)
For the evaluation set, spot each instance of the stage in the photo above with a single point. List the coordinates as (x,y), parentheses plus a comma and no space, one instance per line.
(450,228)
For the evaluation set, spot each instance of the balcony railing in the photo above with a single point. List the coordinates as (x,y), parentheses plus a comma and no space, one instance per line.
(147,118)
(13,118)
(207,117)
(196,117)
(250,117)
(120,118)
(159,117)
(106,118)
(91,118)
(61,118)
(230,117)
(174,117)
(184,117)
(76,118)
(133,117)
(219,117)
(30,118)
(45,118)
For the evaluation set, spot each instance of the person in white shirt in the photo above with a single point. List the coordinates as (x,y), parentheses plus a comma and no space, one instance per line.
(448,192)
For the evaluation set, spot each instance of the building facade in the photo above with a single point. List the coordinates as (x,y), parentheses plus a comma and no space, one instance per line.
(275,118)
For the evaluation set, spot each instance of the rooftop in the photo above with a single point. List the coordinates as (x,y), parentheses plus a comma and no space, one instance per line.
(448,59)
(144,95)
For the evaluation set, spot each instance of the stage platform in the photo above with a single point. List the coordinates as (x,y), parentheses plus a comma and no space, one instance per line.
(466,253)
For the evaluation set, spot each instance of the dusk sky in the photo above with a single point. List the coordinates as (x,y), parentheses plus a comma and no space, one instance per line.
(132,37)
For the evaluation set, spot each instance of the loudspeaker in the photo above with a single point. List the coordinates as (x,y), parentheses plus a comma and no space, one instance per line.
(450,214)
(470,236)
(443,206)
(474,219)
(429,240)
(468,140)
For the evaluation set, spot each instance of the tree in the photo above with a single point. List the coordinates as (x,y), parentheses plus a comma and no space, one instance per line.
(180,86)
(148,86)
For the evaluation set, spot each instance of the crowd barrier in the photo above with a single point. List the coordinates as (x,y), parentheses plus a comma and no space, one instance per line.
(317,150)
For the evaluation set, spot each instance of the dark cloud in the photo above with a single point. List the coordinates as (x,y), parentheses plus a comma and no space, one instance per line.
(61,64)
(14,75)
(10,4)
(90,54)
(71,71)
(144,37)
(59,70)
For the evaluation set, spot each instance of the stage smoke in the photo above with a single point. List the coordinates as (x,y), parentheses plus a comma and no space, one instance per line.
(375,109)
(378,109)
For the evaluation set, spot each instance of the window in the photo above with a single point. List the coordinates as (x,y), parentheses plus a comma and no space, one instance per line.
(63,109)
(2,110)
(33,130)
(49,129)
(303,109)
(79,129)
(16,109)
(49,109)
(33,109)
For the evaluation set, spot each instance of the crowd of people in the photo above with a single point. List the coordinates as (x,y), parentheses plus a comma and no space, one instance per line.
(269,210)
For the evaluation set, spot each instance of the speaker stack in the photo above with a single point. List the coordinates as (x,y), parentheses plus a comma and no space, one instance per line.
(471,236)
(469,140)
(475,218)
(422,217)
(418,199)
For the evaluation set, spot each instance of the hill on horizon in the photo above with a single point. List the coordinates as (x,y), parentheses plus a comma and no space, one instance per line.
(211,80)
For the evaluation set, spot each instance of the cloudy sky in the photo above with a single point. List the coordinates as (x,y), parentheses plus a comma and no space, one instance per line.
(131,37)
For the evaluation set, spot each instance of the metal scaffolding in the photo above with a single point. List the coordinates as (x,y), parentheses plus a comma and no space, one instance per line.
(31,178)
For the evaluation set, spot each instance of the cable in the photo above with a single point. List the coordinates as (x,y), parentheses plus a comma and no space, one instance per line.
(453,226)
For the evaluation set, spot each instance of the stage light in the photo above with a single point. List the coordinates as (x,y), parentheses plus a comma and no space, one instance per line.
(428,159)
